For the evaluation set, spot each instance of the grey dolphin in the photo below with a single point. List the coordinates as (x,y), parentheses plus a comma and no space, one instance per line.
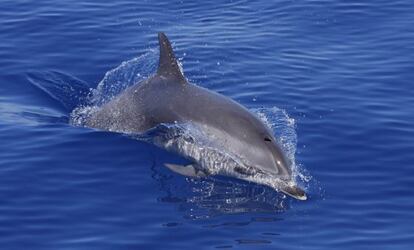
(168,98)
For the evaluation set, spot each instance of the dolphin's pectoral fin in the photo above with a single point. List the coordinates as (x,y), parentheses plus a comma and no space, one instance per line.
(294,191)
(188,170)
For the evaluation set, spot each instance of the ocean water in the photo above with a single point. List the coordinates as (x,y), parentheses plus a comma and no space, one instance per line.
(334,79)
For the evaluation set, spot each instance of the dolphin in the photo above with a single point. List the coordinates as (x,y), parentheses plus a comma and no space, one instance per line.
(238,144)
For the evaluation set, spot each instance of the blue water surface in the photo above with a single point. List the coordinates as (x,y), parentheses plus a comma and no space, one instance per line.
(342,71)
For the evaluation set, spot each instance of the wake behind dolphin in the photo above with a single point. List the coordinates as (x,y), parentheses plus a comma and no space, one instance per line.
(218,135)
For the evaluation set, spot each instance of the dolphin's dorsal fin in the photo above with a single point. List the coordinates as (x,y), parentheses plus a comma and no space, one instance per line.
(168,65)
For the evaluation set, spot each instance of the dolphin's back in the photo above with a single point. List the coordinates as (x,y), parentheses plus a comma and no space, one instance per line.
(166,102)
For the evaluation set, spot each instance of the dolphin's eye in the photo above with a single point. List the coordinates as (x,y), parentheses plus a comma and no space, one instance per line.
(267,139)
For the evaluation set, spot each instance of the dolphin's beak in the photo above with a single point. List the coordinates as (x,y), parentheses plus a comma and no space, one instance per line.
(294,191)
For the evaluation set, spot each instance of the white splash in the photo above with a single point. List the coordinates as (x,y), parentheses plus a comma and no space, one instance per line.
(116,80)
(125,75)
(284,129)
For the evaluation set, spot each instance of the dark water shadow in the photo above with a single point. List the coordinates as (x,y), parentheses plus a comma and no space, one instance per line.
(66,90)
(60,94)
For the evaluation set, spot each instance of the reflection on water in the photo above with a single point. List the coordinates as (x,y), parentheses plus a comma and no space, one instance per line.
(213,196)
